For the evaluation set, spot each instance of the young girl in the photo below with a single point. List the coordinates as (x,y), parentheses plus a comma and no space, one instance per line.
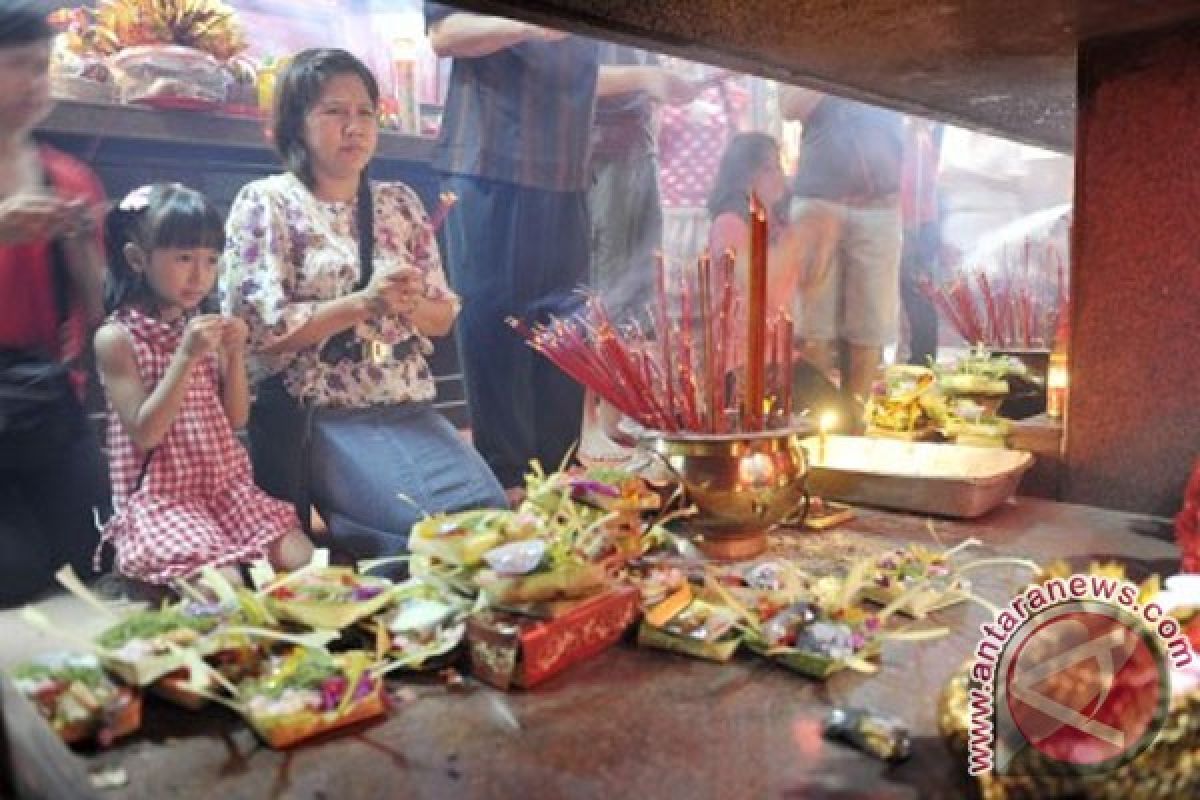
(183,492)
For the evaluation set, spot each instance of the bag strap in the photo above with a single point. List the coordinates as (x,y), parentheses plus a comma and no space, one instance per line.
(366,232)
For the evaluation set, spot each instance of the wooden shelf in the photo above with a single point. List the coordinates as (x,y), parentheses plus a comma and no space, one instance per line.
(98,122)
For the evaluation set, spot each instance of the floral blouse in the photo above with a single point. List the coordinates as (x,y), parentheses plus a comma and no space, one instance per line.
(288,252)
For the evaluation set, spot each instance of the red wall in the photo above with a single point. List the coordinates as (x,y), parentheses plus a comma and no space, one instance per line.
(1133,425)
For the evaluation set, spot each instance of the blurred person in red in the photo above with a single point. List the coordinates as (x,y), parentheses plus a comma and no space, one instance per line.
(52,474)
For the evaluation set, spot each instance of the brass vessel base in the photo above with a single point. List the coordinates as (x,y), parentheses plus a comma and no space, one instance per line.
(725,548)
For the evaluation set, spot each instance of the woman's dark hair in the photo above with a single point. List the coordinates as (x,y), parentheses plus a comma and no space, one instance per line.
(295,95)
(745,155)
(24,22)
(153,217)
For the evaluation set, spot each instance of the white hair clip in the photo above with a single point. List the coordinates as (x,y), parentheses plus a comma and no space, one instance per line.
(137,200)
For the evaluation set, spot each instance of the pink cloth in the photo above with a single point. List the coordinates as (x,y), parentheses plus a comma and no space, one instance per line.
(691,142)
(196,504)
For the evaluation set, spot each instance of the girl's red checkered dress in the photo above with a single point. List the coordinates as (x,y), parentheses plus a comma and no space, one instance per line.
(197,503)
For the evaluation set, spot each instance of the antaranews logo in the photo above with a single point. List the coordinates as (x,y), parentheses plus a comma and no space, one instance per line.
(1073,672)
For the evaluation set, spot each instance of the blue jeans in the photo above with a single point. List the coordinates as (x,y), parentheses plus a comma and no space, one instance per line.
(515,251)
(376,471)
(372,472)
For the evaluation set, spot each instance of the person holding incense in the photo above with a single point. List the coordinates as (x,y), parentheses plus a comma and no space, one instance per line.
(52,473)
(341,285)
(846,212)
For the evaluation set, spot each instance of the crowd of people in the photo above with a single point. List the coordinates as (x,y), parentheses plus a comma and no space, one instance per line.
(306,316)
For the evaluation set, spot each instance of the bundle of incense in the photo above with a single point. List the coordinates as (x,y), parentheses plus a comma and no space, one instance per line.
(1017,305)
(446,201)
(712,397)
(606,360)
(687,378)
(663,327)
(675,383)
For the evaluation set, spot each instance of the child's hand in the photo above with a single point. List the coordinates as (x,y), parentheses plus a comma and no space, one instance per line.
(234,335)
(203,335)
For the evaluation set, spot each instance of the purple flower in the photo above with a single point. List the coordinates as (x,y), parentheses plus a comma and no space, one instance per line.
(581,486)
(363,593)
(366,685)
(332,690)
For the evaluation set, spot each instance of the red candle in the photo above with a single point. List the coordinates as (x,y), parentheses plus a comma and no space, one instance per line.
(756,302)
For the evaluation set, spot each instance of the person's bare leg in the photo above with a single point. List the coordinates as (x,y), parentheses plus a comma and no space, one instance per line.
(861,367)
(290,552)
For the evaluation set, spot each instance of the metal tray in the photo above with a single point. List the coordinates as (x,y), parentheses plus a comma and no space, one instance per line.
(942,479)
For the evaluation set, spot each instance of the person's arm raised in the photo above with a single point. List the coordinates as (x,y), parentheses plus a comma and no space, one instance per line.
(463,35)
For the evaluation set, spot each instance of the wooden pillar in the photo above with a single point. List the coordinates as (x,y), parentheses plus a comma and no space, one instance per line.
(1133,422)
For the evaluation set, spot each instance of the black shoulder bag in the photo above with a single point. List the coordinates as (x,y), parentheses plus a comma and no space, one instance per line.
(39,412)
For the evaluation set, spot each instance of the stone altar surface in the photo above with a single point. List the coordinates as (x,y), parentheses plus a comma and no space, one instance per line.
(646,724)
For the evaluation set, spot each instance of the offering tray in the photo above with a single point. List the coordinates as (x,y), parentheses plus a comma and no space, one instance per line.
(941,479)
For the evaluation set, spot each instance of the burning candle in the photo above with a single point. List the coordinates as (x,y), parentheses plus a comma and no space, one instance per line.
(826,422)
(1056,385)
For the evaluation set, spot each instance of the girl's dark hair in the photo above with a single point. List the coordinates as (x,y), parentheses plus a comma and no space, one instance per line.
(24,22)
(295,95)
(745,155)
(154,217)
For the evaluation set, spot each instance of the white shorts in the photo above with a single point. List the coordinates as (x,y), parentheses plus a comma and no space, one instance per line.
(857,301)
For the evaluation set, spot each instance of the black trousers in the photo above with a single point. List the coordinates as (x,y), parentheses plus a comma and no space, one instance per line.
(516,251)
(47,516)
(917,263)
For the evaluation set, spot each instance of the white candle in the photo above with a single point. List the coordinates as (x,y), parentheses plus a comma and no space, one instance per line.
(826,422)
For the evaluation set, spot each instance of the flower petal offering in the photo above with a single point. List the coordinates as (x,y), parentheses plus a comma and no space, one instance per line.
(78,698)
(329,598)
(307,692)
